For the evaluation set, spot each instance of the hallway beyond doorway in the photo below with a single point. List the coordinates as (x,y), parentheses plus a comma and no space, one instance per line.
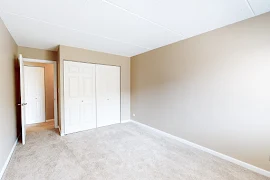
(48,125)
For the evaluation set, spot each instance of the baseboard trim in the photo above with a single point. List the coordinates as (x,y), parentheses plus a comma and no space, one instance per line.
(210,151)
(125,121)
(8,159)
(48,120)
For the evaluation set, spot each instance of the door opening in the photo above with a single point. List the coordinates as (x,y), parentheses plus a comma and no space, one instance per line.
(38,95)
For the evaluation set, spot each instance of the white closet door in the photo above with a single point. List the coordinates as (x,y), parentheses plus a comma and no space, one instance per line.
(88,92)
(34,94)
(108,95)
(79,96)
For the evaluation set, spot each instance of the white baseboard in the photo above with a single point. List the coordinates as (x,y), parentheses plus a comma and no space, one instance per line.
(220,155)
(49,120)
(8,159)
(126,121)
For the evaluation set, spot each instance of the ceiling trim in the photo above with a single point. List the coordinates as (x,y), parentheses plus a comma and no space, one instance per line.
(250,7)
(134,14)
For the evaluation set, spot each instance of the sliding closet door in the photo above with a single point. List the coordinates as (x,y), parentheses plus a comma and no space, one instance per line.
(79,96)
(108,95)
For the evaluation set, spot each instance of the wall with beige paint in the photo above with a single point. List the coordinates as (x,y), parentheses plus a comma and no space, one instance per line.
(8,122)
(33,53)
(49,87)
(82,55)
(212,89)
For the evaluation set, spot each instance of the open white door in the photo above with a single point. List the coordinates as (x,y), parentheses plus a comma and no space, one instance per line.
(22,103)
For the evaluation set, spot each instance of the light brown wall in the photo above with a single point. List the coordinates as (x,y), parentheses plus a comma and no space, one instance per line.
(49,87)
(82,55)
(213,90)
(8,124)
(38,53)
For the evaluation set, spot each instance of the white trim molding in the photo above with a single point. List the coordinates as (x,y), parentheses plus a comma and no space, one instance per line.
(125,121)
(49,120)
(210,151)
(39,61)
(8,159)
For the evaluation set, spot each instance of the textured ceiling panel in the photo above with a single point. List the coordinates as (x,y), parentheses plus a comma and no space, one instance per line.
(107,20)
(35,34)
(260,6)
(59,12)
(191,17)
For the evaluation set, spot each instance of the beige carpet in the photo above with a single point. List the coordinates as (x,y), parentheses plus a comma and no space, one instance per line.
(118,152)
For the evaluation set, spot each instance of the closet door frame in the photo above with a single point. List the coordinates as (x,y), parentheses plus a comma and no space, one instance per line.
(63,121)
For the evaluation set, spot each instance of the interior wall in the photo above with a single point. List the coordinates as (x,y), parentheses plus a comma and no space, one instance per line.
(33,53)
(212,89)
(8,122)
(82,55)
(49,87)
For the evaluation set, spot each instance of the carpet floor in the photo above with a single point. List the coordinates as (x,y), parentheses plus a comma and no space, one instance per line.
(118,152)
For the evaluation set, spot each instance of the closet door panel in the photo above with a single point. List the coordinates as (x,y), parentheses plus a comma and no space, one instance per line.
(72,116)
(88,110)
(72,97)
(108,95)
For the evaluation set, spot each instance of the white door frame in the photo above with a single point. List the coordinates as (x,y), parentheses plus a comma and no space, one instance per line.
(56,125)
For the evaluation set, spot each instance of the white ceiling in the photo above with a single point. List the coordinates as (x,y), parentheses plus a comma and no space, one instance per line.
(123,27)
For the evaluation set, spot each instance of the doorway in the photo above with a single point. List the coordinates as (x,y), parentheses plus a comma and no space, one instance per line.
(38,95)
